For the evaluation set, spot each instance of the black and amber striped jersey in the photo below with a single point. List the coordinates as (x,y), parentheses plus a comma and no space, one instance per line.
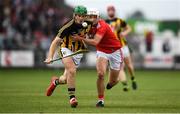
(70,29)
(117,25)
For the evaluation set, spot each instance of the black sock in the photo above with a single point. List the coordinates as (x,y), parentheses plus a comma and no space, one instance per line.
(132,78)
(57,82)
(71,92)
(72,96)
(109,86)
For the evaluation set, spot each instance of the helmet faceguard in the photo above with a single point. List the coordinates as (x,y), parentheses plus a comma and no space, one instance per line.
(79,14)
(93,15)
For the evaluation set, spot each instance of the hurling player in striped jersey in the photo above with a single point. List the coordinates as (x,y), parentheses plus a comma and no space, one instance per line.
(121,30)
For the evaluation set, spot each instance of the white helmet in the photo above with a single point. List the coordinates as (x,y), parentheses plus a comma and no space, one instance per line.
(93,11)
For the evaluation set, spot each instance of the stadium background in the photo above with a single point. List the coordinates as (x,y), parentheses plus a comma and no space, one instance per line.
(27,28)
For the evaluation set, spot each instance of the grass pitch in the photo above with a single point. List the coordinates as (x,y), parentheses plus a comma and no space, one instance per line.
(23,91)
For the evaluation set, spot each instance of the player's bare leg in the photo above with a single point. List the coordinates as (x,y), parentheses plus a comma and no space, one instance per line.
(63,79)
(129,64)
(68,77)
(101,66)
(113,78)
(123,79)
(70,72)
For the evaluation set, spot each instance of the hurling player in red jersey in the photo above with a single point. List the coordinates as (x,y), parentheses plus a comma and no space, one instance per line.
(108,52)
(121,29)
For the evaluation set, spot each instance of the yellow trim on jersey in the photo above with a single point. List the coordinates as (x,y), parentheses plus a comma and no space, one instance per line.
(65,26)
(116,25)
(123,41)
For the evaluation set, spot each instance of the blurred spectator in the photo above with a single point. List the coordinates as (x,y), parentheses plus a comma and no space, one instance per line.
(166,46)
(168,35)
(30,24)
(149,41)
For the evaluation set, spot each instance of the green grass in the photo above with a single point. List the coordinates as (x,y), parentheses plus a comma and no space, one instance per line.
(24,91)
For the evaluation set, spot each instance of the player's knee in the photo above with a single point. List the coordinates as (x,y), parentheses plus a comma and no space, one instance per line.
(101,75)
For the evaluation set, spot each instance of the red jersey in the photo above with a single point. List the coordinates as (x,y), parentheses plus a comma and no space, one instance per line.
(109,43)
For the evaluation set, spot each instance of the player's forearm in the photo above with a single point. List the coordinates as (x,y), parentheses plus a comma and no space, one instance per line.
(87,40)
(52,50)
(90,41)
(127,30)
(53,47)
(95,41)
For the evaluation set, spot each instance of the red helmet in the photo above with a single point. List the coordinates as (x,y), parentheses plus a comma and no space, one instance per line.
(111,7)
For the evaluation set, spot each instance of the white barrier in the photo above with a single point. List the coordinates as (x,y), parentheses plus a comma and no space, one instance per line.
(17,58)
(154,61)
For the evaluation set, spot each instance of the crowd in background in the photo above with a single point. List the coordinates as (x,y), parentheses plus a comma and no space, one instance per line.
(30,24)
